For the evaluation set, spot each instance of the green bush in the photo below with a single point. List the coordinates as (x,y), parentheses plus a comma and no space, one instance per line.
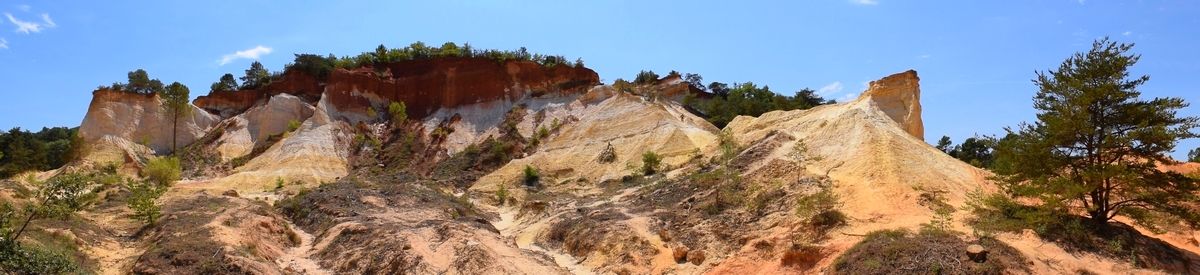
(926,252)
(751,100)
(142,196)
(293,125)
(502,194)
(650,163)
(646,77)
(398,112)
(17,259)
(531,176)
(163,170)
(58,197)
(820,209)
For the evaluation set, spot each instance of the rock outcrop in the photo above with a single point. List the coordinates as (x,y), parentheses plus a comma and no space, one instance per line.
(228,104)
(316,152)
(140,119)
(873,147)
(629,125)
(259,123)
(899,96)
(426,86)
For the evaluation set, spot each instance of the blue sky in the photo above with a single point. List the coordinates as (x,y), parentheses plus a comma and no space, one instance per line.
(975,59)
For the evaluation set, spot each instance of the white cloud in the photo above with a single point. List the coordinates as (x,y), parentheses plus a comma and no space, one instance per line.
(831,89)
(924,56)
(253,53)
(49,22)
(3,43)
(1127,33)
(865,2)
(848,97)
(25,27)
(24,8)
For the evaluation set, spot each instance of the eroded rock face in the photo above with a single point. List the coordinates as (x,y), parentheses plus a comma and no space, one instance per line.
(228,104)
(899,95)
(316,152)
(428,85)
(210,234)
(259,123)
(630,125)
(140,119)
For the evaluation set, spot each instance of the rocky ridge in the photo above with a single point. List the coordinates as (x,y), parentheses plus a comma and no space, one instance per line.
(448,191)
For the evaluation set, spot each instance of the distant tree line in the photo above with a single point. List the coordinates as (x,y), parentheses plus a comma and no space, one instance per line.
(728,101)
(976,151)
(321,66)
(50,148)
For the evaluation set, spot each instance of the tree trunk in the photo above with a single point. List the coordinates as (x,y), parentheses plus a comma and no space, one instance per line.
(174,132)
(22,230)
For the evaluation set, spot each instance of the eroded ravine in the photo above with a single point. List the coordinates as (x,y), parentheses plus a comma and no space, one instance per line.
(299,258)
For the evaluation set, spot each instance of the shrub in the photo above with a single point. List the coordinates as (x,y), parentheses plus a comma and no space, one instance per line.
(811,205)
(650,163)
(622,85)
(543,132)
(293,125)
(398,112)
(163,170)
(17,259)
(142,196)
(278,183)
(751,100)
(502,194)
(531,176)
(646,77)
(933,252)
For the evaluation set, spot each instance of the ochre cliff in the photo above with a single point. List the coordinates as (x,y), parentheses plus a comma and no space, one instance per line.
(227,104)
(424,85)
(899,96)
(428,85)
(141,119)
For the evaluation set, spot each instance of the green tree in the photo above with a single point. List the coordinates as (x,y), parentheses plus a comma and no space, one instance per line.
(695,80)
(398,112)
(256,76)
(1194,155)
(945,145)
(1096,144)
(314,65)
(976,151)
(719,89)
(449,49)
(49,148)
(140,82)
(226,84)
(60,196)
(646,77)
(23,152)
(142,196)
(175,103)
(381,54)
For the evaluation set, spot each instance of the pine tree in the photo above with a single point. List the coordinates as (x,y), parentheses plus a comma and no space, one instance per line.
(1096,144)
(256,76)
(226,84)
(175,102)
